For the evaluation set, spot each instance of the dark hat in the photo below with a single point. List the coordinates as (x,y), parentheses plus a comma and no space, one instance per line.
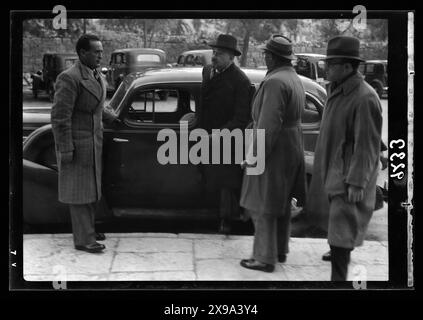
(343,47)
(280,46)
(226,41)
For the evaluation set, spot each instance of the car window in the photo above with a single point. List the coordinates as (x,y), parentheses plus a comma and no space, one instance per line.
(69,63)
(310,113)
(181,59)
(148,58)
(161,106)
(118,58)
(361,68)
(370,68)
(321,66)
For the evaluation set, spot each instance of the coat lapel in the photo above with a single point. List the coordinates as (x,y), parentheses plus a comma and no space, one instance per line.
(91,84)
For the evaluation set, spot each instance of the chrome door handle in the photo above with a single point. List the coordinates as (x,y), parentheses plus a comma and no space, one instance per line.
(120,140)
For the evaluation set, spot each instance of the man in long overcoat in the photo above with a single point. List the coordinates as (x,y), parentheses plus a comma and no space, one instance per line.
(76,118)
(277,108)
(347,151)
(225,104)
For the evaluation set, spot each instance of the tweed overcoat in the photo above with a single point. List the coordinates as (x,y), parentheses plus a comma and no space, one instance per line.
(277,108)
(347,153)
(225,103)
(76,118)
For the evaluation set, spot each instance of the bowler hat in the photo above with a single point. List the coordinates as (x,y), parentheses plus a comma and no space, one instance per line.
(343,47)
(226,41)
(280,46)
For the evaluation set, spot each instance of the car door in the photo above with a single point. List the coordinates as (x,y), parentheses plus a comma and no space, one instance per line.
(310,121)
(133,176)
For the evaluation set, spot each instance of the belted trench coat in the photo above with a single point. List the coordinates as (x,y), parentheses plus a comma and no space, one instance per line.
(277,108)
(347,153)
(76,118)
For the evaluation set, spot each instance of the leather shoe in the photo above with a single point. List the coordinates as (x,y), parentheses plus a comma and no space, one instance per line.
(282,258)
(92,248)
(327,256)
(99,236)
(225,227)
(255,265)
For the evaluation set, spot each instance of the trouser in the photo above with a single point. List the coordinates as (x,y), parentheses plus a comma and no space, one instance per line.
(271,236)
(229,203)
(340,259)
(83,223)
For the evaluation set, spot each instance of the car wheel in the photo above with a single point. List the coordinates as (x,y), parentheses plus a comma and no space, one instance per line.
(378,89)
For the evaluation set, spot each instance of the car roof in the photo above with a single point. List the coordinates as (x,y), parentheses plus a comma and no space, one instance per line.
(376,61)
(192,74)
(62,54)
(140,50)
(311,55)
(197,51)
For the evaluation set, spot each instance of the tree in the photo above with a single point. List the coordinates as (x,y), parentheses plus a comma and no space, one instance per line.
(44,28)
(147,29)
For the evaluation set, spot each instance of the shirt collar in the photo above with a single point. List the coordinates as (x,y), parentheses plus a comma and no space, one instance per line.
(224,69)
(349,84)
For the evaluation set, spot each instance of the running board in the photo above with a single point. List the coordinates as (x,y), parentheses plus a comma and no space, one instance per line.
(200,214)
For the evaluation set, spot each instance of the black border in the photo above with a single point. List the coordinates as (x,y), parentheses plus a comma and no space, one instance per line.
(397,115)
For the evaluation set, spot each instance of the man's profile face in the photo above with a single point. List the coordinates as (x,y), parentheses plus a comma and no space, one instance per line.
(92,57)
(221,58)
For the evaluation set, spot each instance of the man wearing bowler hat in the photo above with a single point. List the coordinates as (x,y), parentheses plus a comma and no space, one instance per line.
(225,105)
(276,108)
(347,152)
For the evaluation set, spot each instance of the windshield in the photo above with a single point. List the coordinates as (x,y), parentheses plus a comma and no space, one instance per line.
(121,91)
(147,59)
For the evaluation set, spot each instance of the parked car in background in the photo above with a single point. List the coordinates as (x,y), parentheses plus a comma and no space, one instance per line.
(195,58)
(311,65)
(376,74)
(53,65)
(135,184)
(126,61)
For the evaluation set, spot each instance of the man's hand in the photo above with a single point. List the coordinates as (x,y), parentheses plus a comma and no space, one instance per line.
(355,194)
(245,164)
(66,157)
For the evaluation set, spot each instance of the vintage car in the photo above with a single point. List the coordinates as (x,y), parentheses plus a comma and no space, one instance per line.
(126,61)
(311,65)
(135,184)
(195,58)
(376,74)
(53,65)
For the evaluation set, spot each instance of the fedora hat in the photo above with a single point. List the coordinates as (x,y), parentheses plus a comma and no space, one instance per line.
(280,46)
(226,41)
(343,47)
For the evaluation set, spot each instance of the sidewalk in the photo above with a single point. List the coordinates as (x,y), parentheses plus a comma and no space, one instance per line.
(187,257)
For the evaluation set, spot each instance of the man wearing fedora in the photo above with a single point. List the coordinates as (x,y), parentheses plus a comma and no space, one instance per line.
(347,152)
(276,108)
(225,105)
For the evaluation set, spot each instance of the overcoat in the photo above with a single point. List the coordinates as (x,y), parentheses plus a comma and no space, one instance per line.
(225,103)
(347,153)
(76,118)
(277,108)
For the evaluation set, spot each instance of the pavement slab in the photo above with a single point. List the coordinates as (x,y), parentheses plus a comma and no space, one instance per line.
(188,257)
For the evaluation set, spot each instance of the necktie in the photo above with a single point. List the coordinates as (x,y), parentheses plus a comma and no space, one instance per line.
(97,76)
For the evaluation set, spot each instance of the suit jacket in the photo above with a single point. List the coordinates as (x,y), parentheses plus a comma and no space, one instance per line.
(76,118)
